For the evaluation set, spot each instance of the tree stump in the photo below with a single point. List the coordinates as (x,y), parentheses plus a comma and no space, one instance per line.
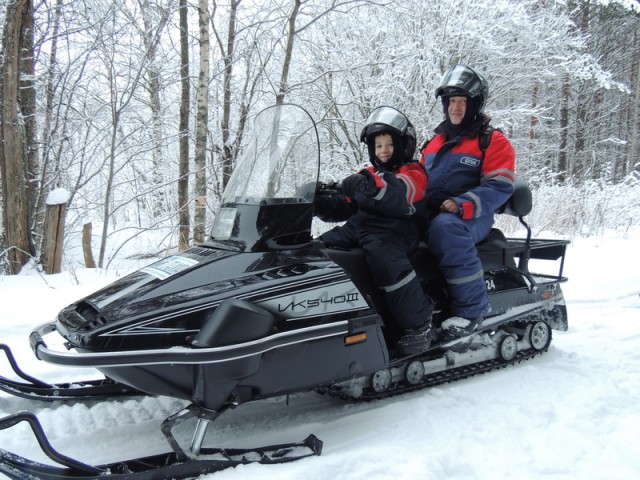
(89,262)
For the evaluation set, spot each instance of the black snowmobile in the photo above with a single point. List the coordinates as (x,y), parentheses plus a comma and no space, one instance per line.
(262,310)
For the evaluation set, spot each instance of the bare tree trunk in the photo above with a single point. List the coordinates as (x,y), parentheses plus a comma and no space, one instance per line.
(202,119)
(227,151)
(27,96)
(89,262)
(183,180)
(151,36)
(580,164)
(110,174)
(633,159)
(291,35)
(45,171)
(14,153)
(564,129)
(580,167)
(533,123)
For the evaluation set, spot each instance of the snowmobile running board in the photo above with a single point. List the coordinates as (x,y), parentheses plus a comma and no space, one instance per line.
(155,467)
(35,389)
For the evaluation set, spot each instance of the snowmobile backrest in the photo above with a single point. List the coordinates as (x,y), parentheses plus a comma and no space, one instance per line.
(520,203)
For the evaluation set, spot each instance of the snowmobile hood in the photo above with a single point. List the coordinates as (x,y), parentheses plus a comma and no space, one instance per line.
(260,246)
(166,303)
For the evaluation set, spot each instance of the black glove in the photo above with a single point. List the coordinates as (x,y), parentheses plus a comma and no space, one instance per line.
(354,183)
(323,204)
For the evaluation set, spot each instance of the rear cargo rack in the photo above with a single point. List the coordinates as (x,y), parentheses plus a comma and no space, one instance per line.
(524,250)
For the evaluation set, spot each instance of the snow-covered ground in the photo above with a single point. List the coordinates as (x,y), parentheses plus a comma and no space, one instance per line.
(573,413)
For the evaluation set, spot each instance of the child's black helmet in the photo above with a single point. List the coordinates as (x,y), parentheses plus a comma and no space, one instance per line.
(389,120)
(464,81)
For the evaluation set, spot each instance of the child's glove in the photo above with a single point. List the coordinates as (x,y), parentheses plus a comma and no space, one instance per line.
(354,183)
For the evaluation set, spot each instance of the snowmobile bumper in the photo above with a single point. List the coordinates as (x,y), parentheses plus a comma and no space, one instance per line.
(178,355)
(33,388)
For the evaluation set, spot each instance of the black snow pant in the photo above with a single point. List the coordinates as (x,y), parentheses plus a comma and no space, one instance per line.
(387,255)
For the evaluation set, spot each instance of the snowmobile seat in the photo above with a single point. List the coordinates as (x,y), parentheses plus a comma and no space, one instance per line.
(493,249)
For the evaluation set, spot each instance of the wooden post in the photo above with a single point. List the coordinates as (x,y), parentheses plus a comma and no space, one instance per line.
(54,237)
(54,230)
(89,262)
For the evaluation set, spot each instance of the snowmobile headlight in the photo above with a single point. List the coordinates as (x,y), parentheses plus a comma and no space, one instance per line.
(223,224)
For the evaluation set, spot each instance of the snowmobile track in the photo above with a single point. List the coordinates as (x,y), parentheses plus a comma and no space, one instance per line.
(433,379)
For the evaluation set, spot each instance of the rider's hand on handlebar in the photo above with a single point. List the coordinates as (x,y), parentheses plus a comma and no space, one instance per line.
(354,183)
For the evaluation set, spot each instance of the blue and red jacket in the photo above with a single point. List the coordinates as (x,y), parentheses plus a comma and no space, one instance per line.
(389,199)
(457,170)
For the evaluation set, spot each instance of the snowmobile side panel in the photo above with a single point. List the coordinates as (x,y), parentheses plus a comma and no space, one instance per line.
(319,361)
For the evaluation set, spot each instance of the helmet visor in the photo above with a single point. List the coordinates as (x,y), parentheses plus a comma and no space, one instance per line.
(460,78)
(388,116)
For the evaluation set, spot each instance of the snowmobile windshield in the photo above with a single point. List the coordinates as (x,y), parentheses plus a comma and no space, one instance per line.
(268,202)
(281,161)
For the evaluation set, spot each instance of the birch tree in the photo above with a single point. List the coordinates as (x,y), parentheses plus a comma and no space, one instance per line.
(183,132)
(202,119)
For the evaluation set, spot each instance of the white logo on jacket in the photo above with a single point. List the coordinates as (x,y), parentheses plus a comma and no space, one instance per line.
(472,162)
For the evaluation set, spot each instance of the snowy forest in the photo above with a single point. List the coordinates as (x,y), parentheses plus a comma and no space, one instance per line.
(136,110)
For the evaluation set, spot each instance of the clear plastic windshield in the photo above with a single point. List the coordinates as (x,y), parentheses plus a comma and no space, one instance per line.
(281,162)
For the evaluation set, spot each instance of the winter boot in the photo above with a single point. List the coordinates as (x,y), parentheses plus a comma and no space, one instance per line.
(455,327)
(416,340)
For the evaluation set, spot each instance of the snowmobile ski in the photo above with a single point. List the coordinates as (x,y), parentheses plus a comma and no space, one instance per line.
(35,389)
(155,467)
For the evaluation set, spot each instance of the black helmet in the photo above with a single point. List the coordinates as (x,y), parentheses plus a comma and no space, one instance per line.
(389,120)
(462,80)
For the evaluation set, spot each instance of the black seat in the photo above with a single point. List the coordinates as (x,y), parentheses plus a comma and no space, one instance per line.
(491,249)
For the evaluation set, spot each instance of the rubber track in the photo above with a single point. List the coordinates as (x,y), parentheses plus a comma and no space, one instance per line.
(434,379)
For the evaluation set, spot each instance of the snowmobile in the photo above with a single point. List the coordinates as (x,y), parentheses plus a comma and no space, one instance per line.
(262,309)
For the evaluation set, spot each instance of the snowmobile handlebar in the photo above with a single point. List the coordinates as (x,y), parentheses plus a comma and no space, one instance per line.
(329,189)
